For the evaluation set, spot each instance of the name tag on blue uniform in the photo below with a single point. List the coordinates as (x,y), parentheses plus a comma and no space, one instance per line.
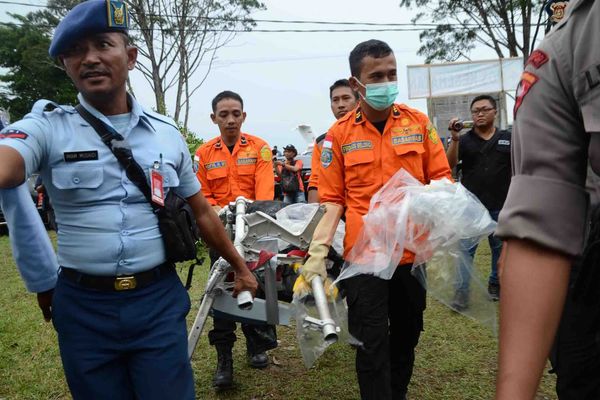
(72,156)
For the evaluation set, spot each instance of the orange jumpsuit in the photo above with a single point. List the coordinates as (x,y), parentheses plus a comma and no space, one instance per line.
(225,175)
(315,165)
(357,160)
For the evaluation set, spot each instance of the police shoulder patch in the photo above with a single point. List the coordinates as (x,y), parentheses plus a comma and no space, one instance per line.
(528,79)
(537,59)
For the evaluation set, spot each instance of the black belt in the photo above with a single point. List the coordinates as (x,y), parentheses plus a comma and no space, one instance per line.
(118,283)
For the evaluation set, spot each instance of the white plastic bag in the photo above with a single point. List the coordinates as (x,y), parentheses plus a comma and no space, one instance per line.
(436,222)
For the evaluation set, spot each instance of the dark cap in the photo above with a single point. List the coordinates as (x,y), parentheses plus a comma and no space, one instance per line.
(291,147)
(89,18)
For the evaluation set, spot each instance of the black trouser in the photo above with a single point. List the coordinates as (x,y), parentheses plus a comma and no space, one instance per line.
(259,338)
(575,355)
(387,317)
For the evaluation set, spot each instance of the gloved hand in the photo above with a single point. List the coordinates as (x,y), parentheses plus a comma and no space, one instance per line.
(319,246)
(303,288)
(315,264)
(216,209)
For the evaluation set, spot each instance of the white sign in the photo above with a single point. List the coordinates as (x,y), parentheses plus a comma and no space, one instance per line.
(438,80)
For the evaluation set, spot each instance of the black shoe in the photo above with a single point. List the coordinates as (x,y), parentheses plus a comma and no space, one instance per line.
(258,360)
(494,291)
(223,378)
(460,301)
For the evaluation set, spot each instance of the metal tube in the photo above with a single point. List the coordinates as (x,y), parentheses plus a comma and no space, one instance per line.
(329,328)
(244,298)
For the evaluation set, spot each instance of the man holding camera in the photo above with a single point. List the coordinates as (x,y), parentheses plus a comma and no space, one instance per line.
(118,306)
(484,153)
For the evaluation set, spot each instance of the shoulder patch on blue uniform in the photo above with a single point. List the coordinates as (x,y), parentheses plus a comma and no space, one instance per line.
(10,133)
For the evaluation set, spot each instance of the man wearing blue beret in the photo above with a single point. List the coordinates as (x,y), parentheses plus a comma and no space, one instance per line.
(118,305)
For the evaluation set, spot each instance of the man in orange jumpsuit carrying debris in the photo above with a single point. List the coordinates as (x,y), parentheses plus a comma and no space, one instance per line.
(231,165)
(361,152)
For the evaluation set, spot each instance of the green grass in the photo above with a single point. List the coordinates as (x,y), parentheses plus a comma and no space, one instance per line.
(456,357)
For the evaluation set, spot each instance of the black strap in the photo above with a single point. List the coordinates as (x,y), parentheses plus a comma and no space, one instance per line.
(120,148)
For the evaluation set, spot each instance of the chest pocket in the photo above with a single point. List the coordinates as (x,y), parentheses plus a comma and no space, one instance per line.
(503,148)
(359,168)
(217,180)
(66,178)
(410,157)
(170,177)
(246,169)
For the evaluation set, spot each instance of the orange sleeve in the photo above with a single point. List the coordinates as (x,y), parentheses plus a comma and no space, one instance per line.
(264,180)
(315,166)
(300,165)
(435,161)
(331,177)
(201,175)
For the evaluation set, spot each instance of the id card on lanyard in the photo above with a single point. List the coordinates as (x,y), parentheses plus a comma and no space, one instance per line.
(157,185)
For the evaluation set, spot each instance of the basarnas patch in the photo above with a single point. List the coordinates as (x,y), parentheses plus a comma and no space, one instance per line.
(266,153)
(416,138)
(246,161)
(432,134)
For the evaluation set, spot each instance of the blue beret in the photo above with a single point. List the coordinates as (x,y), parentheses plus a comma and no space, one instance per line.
(88,18)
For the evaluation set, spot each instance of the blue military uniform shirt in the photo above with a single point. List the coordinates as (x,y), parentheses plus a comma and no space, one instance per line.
(106,225)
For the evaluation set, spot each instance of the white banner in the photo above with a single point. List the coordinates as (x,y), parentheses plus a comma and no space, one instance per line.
(437,80)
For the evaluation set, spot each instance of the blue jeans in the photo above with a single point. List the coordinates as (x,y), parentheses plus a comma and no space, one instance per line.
(294,198)
(124,345)
(463,280)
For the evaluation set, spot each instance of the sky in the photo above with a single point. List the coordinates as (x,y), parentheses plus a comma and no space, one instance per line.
(284,78)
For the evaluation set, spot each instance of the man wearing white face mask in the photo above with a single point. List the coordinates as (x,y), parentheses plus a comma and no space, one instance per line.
(361,152)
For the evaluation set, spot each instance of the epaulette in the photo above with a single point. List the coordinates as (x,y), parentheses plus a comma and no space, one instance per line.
(160,118)
(44,105)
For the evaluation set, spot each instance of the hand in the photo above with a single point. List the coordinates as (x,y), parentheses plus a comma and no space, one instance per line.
(216,209)
(45,303)
(314,266)
(244,280)
(455,133)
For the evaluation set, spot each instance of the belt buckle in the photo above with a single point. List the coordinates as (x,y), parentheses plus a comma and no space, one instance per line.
(125,283)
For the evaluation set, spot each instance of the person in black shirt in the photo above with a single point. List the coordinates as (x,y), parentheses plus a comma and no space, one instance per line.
(484,153)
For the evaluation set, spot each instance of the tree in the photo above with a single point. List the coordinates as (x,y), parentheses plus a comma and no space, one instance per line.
(31,73)
(505,26)
(177,37)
